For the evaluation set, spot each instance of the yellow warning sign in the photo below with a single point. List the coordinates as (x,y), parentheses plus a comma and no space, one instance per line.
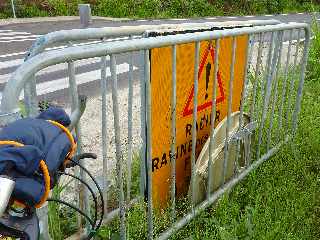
(161,85)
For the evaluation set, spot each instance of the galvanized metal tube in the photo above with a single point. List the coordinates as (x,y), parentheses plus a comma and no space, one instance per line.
(257,70)
(143,150)
(149,143)
(253,111)
(217,194)
(118,145)
(284,87)
(226,146)
(267,95)
(263,93)
(30,98)
(243,96)
(301,82)
(108,32)
(275,96)
(292,80)
(269,59)
(71,75)
(13,88)
(105,174)
(213,114)
(173,130)
(251,44)
(130,99)
(194,121)
(83,192)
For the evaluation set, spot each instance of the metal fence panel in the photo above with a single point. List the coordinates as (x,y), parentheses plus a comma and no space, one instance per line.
(268,80)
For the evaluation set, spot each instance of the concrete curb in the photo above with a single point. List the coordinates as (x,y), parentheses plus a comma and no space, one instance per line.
(8,21)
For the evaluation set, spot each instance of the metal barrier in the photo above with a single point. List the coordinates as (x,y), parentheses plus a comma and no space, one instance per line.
(259,97)
(97,35)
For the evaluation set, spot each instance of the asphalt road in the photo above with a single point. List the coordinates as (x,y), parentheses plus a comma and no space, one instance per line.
(16,39)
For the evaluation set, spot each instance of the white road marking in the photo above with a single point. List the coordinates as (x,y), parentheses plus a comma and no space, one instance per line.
(52,86)
(62,83)
(178,19)
(232,17)
(11,63)
(268,15)
(250,16)
(300,13)
(63,66)
(12,54)
(18,40)
(18,37)
(5,30)
(14,33)
(284,14)
(211,18)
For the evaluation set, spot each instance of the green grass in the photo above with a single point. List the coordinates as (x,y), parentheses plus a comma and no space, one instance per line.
(157,8)
(279,200)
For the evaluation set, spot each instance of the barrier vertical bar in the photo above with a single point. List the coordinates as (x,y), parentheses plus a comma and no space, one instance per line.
(149,143)
(267,94)
(275,96)
(130,99)
(30,96)
(284,87)
(243,96)
(301,82)
(263,92)
(104,131)
(257,70)
(252,41)
(143,125)
(84,203)
(292,80)
(226,147)
(173,130)
(269,59)
(213,114)
(118,145)
(194,122)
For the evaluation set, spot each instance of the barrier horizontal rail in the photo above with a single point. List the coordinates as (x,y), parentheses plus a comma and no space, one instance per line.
(263,92)
(40,61)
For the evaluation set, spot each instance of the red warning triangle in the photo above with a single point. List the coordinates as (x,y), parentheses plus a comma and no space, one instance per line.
(188,110)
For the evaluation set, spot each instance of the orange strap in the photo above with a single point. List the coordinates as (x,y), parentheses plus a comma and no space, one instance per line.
(73,147)
(44,170)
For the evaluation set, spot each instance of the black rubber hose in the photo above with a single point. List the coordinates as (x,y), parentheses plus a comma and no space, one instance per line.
(100,192)
(74,208)
(89,188)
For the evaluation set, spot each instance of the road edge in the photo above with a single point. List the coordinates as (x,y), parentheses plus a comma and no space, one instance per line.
(9,21)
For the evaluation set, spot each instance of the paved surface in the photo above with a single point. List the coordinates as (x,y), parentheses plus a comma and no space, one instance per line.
(17,37)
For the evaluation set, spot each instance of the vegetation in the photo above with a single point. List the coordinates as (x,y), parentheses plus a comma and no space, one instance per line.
(156,8)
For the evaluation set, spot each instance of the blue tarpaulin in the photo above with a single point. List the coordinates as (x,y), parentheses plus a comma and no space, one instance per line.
(42,141)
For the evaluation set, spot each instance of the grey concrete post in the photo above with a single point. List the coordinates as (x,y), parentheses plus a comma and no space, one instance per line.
(13,9)
(85,15)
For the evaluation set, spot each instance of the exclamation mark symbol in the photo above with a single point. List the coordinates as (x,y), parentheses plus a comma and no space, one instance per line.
(208,69)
